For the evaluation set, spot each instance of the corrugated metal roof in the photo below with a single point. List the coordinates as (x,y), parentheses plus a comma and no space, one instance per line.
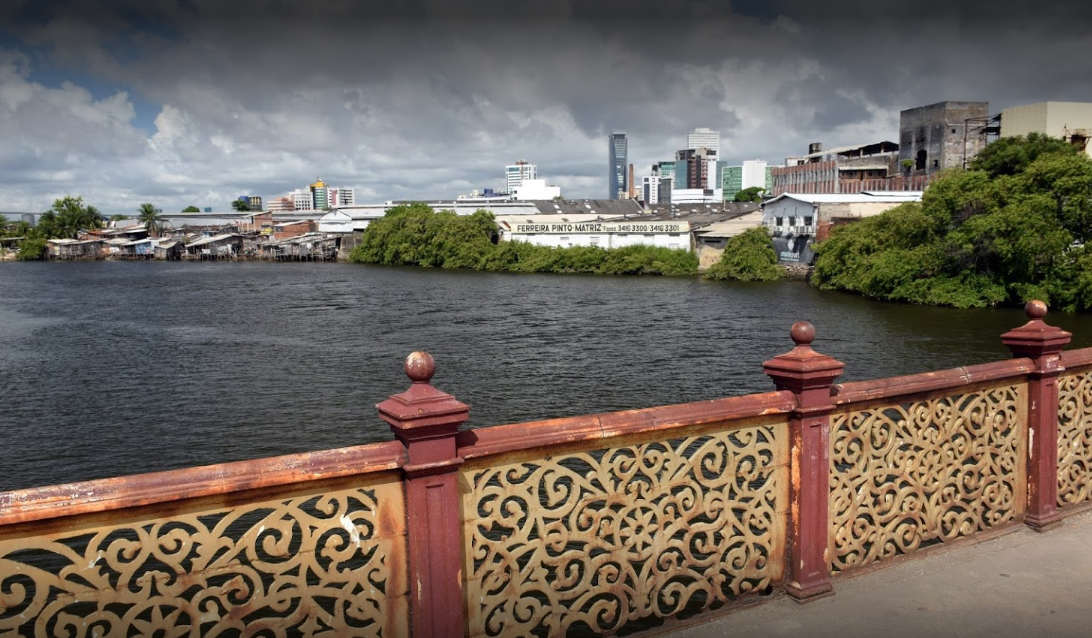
(732,227)
(847,198)
(210,240)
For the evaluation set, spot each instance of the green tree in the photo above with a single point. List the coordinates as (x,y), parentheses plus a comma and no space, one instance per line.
(240,205)
(151,217)
(1011,228)
(751,194)
(749,256)
(191,209)
(1012,155)
(67,217)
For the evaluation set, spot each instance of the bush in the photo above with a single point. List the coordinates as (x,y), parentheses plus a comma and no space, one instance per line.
(32,249)
(748,256)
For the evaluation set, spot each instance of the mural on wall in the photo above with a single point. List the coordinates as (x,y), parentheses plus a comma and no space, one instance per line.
(795,249)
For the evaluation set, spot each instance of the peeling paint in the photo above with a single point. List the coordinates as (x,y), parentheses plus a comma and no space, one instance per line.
(354,533)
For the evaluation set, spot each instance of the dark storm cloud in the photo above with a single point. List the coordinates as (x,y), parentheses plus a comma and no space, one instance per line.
(433,98)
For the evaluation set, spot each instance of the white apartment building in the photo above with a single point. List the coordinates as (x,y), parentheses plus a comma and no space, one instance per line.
(515,174)
(301,199)
(704,137)
(340,196)
(754,174)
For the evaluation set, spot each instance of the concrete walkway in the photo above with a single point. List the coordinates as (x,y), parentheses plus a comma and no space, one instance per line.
(1021,584)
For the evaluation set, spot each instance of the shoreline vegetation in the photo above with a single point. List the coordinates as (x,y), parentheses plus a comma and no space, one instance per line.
(416,235)
(1013,227)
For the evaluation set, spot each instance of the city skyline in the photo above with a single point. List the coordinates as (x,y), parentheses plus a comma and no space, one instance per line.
(189,103)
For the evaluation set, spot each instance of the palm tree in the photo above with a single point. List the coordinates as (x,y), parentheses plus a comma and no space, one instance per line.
(151,218)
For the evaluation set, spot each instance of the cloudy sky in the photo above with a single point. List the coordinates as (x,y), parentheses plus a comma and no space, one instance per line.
(198,101)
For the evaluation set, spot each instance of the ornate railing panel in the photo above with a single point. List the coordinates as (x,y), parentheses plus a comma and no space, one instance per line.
(908,475)
(327,558)
(1074,438)
(600,540)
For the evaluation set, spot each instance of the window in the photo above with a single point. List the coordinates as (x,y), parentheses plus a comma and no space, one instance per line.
(778,221)
(792,221)
(807,221)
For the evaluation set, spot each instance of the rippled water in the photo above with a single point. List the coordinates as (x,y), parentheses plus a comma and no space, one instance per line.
(118,368)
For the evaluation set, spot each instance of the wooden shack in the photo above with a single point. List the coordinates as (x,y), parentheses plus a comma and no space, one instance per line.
(309,247)
(75,249)
(170,250)
(215,247)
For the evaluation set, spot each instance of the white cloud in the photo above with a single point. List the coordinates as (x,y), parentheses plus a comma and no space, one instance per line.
(262,97)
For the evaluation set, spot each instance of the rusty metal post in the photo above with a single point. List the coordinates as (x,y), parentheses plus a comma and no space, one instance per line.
(1043,345)
(808,375)
(426,420)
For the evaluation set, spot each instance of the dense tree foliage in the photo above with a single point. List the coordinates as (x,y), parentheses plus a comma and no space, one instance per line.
(748,256)
(414,234)
(67,217)
(752,194)
(240,205)
(191,209)
(1011,228)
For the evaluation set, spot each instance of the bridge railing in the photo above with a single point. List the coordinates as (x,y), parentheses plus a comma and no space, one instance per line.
(597,524)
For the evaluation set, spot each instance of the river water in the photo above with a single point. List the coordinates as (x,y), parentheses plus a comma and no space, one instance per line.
(115,368)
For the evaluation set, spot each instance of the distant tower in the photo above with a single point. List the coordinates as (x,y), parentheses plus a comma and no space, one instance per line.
(515,174)
(616,178)
(704,137)
(319,195)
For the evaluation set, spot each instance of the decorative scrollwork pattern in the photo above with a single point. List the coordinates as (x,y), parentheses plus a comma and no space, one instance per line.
(910,475)
(603,540)
(305,564)
(1074,438)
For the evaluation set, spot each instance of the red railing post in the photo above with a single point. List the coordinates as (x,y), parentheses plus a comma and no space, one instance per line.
(809,375)
(426,420)
(1043,345)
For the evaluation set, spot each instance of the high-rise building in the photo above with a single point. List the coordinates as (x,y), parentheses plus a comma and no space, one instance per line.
(692,168)
(340,196)
(751,174)
(618,158)
(704,137)
(319,196)
(515,174)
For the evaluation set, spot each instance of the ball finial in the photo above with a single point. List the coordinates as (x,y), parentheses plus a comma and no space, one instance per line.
(803,333)
(1035,309)
(420,366)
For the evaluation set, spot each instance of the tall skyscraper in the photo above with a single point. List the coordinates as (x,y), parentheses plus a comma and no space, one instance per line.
(704,137)
(319,195)
(515,174)
(617,186)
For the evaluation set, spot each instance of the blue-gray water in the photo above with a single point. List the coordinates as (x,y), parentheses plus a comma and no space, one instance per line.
(118,368)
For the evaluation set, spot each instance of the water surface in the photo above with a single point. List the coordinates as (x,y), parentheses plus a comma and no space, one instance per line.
(114,368)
